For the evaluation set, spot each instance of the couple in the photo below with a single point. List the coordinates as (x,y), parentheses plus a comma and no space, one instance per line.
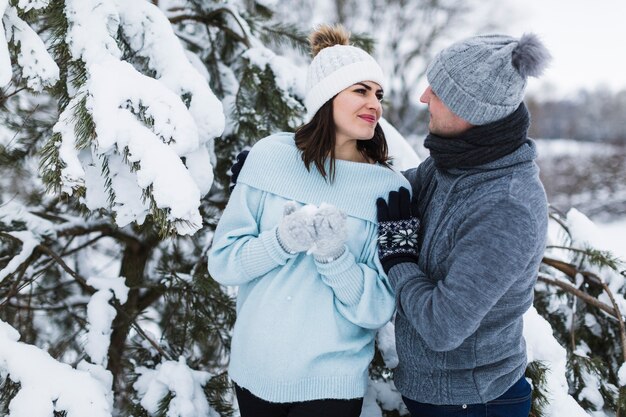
(323,255)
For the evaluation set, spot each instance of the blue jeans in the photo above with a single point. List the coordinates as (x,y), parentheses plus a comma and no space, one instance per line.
(513,403)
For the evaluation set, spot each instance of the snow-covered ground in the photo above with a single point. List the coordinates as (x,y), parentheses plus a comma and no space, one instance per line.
(592,178)
(614,235)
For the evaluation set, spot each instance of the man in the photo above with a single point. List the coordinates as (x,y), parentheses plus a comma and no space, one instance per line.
(483,217)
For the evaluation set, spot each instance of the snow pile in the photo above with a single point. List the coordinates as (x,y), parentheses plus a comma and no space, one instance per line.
(184,384)
(46,384)
(542,346)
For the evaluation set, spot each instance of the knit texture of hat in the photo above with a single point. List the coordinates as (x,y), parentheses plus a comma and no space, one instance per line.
(336,68)
(482,79)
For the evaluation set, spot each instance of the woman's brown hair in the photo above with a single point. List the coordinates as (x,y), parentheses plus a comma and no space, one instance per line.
(316,140)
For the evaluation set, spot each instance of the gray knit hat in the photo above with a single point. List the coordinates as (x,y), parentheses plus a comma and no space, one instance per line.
(482,79)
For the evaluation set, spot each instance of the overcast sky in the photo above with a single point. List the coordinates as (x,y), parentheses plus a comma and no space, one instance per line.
(587,39)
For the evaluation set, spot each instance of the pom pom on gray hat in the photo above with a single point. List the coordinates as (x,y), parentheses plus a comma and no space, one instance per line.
(483,78)
(530,57)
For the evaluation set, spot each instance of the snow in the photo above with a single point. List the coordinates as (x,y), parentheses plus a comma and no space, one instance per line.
(5,61)
(100,315)
(91,26)
(542,346)
(38,67)
(591,391)
(172,156)
(184,383)
(585,234)
(29,243)
(140,117)
(129,206)
(552,148)
(382,396)
(152,36)
(403,155)
(27,5)
(12,211)
(621,375)
(117,83)
(611,237)
(47,385)
(289,77)
(72,173)
(386,342)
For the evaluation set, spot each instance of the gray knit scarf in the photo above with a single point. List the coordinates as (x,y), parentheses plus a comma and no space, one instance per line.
(481,144)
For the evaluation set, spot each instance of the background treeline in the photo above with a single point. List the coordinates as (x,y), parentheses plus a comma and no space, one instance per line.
(590,115)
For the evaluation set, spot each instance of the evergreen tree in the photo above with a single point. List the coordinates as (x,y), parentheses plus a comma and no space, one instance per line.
(103,248)
(119,122)
(581,293)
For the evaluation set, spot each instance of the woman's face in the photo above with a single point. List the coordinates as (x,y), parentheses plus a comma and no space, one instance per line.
(356,111)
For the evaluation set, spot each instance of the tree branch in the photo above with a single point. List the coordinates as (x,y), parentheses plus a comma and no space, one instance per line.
(91,290)
(580,294)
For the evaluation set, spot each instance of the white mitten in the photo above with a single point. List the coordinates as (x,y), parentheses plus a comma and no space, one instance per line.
(296,231)
(330,233)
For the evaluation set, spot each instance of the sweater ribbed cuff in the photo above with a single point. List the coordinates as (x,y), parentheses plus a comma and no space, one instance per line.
(263,254)
(401,272)
(344,277)
(324,259)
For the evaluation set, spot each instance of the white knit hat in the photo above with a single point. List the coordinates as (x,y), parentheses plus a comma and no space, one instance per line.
(336,68)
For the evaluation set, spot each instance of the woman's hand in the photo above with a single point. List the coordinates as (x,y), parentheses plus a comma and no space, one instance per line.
(330,233)
(296,231)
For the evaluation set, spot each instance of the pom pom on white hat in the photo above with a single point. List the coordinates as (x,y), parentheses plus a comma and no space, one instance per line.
(335,67)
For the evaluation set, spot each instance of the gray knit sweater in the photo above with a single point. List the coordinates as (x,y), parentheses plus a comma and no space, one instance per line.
(459,320)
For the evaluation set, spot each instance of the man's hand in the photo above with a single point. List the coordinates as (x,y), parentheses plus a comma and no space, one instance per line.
(397,230)
(236,168)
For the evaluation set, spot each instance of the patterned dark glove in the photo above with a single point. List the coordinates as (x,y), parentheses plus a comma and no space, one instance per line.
(397,230)
(236,168)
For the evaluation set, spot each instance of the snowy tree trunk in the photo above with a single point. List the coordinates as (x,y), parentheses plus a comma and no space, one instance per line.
(133,268)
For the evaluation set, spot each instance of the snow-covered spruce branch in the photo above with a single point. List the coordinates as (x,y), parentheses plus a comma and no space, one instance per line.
(91,290)
(211,17)
(136,140)
(38,67)
(571,271)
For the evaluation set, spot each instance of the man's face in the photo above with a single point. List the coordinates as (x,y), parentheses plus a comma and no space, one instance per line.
(442,121)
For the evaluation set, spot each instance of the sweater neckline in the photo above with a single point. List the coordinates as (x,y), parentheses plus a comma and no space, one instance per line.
(275,165)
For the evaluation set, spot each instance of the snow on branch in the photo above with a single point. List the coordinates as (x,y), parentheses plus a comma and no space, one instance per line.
(162,128)
(14,212)
(5,60)
(100,316)
(184,383)
(38,67)
(541,345)
(29,243)
(27,5)
(150,34)
(46,384)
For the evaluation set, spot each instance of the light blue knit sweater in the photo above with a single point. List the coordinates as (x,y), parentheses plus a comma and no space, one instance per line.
(305,330)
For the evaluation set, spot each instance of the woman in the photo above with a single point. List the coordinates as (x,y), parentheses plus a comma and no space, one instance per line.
(300,242)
